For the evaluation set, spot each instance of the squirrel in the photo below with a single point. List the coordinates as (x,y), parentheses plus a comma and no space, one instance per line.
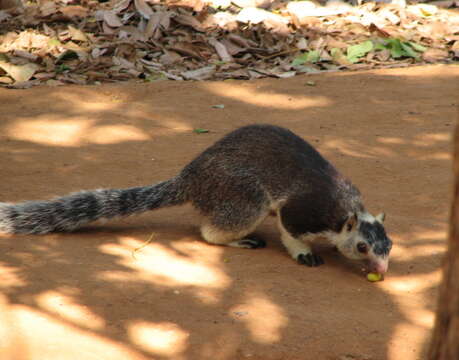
(235,184)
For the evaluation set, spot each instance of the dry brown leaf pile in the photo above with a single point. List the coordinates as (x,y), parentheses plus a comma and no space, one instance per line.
(87,41)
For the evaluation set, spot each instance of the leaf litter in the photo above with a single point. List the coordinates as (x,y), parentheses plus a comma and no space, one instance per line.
(90,42)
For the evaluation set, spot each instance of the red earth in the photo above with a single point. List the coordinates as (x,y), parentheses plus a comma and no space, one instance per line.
(105,292)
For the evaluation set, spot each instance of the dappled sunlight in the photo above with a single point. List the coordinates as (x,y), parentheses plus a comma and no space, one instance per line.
(419,147)
(254,95)
(73,133)
(49,132)
(357,149)
(112,134)
(45,337)
(264,318)
(414,283)
(10,277)
(157,264)
(65,307)
(408,253)
(429,140)
(164,339)
(406,341)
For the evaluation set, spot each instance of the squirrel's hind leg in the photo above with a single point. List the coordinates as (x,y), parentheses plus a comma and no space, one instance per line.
(241,237)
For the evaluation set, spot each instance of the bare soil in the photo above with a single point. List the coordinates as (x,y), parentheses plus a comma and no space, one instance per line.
(92,295)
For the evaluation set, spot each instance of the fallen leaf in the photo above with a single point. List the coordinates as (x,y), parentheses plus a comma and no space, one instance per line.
(77,34)
(200,131)
(74,11)
(53,82)
(339,57)
(252,15)
(6,80)
(25,54)
(185,19)
(433,55)
(199,74)
(221,50)
(355,52)
(308,57)
(121,5)
(455,49)
(23,84)
(20,73)
(47,8)
(143,8)
(378,31)
(112,19)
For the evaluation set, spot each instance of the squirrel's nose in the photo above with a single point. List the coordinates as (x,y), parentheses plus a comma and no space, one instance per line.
(379,266)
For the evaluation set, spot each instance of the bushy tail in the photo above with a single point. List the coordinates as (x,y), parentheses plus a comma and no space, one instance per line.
(72,211)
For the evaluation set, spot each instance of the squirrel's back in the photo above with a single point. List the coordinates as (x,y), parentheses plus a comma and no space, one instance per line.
(265,152)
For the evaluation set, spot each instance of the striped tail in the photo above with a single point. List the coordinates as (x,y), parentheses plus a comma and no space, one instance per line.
(70,212)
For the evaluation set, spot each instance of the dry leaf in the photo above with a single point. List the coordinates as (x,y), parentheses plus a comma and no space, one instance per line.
(74,11)
(121,5)
(187,49)
(157,20)
(170,57)
(20,73)
(47,8)
(189,20)
(112,19)
(5,80)
(4,15)
(143,8)
(434,55)
(221,50)
(23,84)
(52,82)
(378,31)
(222,19)
(455,49)
(199,74)
(25,55)
(77,34)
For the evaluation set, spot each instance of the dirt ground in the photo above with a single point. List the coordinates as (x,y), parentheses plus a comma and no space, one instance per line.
(92,295)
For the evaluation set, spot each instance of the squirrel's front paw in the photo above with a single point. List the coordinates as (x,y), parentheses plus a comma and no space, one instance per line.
(310,259)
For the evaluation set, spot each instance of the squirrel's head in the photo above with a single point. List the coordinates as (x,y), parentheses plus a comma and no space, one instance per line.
(363,237)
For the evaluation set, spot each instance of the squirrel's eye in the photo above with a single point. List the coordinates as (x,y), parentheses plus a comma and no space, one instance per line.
(362,247)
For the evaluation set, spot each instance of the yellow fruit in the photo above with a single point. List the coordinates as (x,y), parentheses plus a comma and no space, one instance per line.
(373,277)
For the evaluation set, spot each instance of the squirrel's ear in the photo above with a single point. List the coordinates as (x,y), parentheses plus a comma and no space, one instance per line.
(380,217)
(351,223)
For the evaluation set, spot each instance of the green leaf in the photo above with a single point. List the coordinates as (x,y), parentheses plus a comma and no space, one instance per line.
(154,76)
(355,52)
(417,47)
(307,57)
(54,42)
(381,45)
(395,47)
(409,51)
(300,60)
(313,56)
(200,131)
